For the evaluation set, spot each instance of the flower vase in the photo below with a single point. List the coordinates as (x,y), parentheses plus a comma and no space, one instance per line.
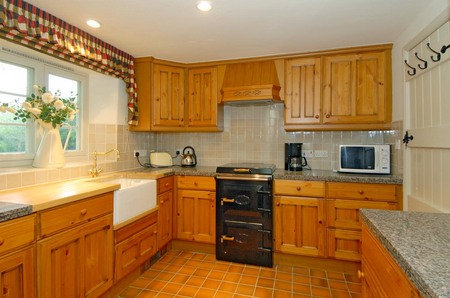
(50,153)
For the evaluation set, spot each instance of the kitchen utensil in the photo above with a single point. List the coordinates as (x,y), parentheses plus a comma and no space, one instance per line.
(188,159)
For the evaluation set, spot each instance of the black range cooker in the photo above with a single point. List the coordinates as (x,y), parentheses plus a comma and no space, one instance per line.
(244,217)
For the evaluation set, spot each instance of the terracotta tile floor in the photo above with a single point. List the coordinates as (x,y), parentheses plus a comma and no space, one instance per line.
(191,274)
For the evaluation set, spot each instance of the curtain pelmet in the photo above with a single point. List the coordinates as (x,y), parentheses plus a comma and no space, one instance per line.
(28,25)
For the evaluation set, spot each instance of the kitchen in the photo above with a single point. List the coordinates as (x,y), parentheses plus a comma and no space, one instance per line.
(107,127)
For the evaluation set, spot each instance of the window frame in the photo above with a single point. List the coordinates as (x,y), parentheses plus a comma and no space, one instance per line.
(40,66)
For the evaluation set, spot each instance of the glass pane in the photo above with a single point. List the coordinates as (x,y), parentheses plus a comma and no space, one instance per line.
(72,144)
(12,138)
(12,101)
(13,78)
(67,87)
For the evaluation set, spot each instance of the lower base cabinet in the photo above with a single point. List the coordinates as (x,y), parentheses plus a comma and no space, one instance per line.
(380,274)
(135,244)
(77,262)
(17,274)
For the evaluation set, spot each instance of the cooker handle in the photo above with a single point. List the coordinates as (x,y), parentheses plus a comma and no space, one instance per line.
(226,200)
(226,238)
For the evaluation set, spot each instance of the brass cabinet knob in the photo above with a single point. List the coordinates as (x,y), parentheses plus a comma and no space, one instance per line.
(360,274)
(361,192)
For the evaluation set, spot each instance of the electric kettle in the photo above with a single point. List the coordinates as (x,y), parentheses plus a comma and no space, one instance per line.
(188,159)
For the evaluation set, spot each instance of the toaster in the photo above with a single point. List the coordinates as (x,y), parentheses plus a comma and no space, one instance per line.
(160,159)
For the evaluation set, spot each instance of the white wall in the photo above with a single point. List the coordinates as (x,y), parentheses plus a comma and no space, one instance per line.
(437,12)
(107,100)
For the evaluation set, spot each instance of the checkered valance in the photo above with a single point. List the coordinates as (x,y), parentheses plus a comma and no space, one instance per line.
(28,25)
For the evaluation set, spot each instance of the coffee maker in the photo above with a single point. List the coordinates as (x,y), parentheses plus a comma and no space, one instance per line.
(293,156)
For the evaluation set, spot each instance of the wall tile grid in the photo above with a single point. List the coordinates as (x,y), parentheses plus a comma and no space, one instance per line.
(102,137)
(256,134)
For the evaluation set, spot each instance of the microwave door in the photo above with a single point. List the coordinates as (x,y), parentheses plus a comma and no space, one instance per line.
(369,158)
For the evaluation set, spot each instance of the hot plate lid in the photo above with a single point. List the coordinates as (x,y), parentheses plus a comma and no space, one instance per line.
(247,168)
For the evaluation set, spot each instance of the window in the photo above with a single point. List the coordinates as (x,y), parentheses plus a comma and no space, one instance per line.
(18,73)
(14,86)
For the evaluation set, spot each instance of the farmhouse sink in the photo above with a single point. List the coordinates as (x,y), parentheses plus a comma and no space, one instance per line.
(135,196)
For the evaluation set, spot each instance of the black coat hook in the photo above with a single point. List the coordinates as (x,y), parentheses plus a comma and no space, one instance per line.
(444,48)
(438,57)
(413,69)
(425,63)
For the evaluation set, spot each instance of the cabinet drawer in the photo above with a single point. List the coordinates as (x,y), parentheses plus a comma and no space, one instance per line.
(362,191)
(17,232)
(70,215)
(345,213)
(165,184)
(299,188)
(196,182)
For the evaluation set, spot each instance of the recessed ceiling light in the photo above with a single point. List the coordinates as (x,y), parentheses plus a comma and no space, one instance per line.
(204,6)
(93,23)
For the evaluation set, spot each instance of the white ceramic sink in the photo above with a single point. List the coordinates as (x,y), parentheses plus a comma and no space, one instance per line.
(134,197)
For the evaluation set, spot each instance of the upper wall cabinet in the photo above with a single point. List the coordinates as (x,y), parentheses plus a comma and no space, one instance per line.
(340,90)
(174,98)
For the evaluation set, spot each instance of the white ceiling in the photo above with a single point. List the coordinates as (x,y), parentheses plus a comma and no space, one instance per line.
(175,30)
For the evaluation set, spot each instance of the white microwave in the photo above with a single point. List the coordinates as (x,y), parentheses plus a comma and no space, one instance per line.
(366,159)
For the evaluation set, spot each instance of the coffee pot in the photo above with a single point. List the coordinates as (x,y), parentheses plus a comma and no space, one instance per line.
(188,159)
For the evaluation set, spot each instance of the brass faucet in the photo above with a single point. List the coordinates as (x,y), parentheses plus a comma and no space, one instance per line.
(95,171)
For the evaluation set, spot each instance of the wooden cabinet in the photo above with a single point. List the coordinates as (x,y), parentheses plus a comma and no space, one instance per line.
(135,243)
(299,219)
(343,224)
(355,88)
(202,100)
(77,259)
(380,274)
(347,89)
(196,209)
(168,97)
(165,211)
(175,97)
(17,257)
(302,91)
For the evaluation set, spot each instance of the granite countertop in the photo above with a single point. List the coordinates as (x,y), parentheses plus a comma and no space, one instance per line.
(23,201)
(419,242)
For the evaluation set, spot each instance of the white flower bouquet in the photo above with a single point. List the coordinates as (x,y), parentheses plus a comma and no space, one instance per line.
(44,106)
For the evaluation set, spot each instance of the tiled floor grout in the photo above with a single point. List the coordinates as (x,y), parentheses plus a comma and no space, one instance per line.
(190,274)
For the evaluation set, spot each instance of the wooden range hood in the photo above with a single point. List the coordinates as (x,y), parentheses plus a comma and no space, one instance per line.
(251,83)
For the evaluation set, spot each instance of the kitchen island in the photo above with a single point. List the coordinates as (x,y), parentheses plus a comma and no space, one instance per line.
(419,243)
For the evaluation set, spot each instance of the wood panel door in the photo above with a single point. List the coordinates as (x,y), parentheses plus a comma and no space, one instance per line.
(302,91)
(168,97)
(427,119)
(18,274)
(354,89)
(196,215)
(300,225)
(78,262)
(165,218)
(202,101)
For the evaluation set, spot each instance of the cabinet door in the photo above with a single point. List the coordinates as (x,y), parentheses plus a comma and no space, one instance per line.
(202,102)
(299,226)
(165,202)
(17,274)
(344,244)
(168,97)
(302,91)
(78,262)
(143,79)
(354,88)
(196,212)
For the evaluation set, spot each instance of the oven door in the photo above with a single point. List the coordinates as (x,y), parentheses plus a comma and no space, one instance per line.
(245,242)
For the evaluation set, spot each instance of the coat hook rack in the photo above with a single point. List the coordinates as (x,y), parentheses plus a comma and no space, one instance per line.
(438,57)
(444,48)
(413,69)
(425,63)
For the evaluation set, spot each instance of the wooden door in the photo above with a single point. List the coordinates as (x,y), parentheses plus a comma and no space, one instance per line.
(143,79)
(302,91)
(427,157)
(165,218)
(196,212)
(17,274)
(78,262)
(168,97)
(202,101)
(354,89)
(299,225)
